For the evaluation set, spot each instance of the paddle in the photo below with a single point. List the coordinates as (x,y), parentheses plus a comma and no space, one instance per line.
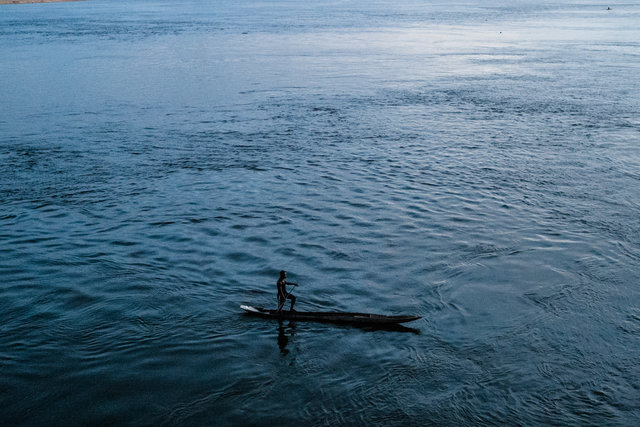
(284,300)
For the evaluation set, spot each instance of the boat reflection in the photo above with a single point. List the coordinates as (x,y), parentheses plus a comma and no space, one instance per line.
(288,331)
(390,328)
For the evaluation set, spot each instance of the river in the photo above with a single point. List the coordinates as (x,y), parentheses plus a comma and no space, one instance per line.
(473,163)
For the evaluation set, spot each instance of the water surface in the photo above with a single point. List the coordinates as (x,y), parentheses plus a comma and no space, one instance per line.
(473,163)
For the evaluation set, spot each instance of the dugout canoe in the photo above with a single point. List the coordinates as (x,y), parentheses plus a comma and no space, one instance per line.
(329,316)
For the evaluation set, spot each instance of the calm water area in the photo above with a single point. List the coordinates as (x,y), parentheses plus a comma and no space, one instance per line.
(474,163)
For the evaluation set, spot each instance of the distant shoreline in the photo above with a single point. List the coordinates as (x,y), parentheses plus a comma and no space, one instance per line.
(32,1)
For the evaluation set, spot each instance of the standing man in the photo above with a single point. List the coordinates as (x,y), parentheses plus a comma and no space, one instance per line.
(283,295)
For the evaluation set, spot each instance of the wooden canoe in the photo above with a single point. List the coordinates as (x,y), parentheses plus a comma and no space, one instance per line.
(329,316)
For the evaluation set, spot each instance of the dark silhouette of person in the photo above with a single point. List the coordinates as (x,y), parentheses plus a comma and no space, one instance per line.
(283,295)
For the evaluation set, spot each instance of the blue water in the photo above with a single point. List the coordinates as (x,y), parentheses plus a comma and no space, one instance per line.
(474,163)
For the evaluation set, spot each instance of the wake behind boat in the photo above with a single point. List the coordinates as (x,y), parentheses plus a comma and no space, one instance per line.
(329,316)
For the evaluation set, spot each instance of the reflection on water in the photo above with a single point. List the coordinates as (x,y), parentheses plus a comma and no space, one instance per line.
(288,332)
(283,337)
